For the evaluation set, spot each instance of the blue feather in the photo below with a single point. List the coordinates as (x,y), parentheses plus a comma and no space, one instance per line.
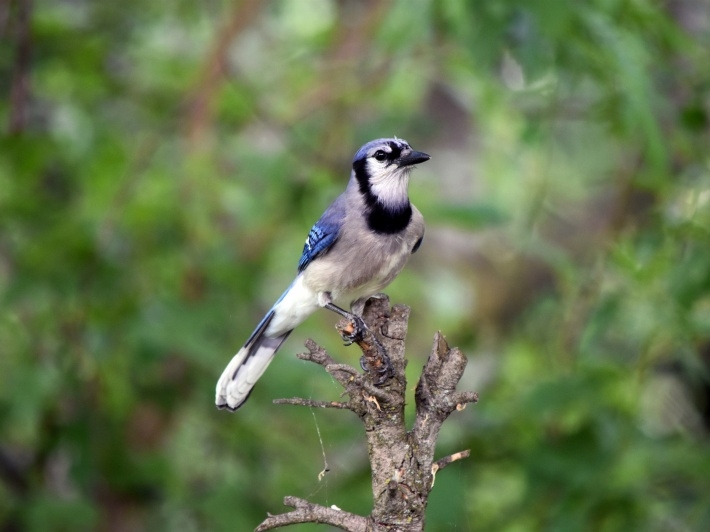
(323,234)
(320,239)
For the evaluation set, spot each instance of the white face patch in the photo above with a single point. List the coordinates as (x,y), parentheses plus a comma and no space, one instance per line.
(388,182)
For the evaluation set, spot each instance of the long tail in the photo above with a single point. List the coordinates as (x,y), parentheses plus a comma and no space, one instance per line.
(245,368)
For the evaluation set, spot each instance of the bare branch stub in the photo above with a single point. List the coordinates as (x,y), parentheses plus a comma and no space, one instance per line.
(402,461)
(435,396)
(441,463)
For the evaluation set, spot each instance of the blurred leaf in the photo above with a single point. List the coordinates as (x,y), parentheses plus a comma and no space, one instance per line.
(472,216)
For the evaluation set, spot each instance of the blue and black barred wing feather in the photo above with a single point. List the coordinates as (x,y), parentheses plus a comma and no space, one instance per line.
(320,239)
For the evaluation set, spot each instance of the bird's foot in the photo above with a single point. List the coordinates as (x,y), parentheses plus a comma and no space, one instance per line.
(375,359)
(356,333)
(381,367)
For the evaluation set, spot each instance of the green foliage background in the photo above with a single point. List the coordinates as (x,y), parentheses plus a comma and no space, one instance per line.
(162,162)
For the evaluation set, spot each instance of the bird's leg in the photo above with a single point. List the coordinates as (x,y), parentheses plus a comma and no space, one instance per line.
(359,326)
(375,358)
(370,362)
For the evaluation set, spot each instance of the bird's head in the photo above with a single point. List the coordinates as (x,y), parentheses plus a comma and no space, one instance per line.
(382,170)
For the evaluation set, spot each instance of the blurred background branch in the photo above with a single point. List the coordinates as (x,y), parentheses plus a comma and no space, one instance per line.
(16,17)
(214,73)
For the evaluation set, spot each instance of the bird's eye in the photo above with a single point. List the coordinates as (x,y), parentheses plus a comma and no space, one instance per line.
(380,155)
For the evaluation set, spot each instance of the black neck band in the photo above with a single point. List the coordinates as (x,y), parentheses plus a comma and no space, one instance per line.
(380,218)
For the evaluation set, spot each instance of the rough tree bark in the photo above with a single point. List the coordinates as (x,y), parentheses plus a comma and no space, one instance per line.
(402,461)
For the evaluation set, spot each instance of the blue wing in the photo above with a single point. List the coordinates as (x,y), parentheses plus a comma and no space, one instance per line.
(324,233)
(320,239)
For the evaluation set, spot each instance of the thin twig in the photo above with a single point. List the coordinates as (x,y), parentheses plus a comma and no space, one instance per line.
(443,462)
(345,368)
(298,401)
(360,381)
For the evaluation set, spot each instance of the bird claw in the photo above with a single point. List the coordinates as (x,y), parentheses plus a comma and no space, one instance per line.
(384,372)
(381,371)
(357,333)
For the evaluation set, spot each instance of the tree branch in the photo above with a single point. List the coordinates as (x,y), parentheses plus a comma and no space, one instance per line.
(306,512)
(309,402)
(441,463)
(402,461)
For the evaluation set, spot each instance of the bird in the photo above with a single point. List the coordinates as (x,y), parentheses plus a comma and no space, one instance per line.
(357,247)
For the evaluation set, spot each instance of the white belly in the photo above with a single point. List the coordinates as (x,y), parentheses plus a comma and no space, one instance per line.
(360,276)
(343,278)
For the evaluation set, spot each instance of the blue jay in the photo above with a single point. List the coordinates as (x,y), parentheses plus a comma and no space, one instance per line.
(358,246)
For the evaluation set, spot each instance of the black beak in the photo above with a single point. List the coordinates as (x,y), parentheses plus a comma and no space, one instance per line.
(413,157)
